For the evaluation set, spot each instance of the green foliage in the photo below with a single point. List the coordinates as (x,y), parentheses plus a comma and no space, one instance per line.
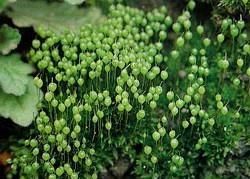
(162,92)
(9,39)
(13,75)
(4,4)
(17,95)
(14,79)
(235,5)
(221,9)
(55,16)
(21,109)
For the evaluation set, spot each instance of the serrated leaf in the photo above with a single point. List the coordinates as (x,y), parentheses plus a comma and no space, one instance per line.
(13,74)
(56,16)
(74,2)
(9,39)
(21,109)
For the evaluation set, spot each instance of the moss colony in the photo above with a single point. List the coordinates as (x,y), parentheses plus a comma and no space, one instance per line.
(142,85)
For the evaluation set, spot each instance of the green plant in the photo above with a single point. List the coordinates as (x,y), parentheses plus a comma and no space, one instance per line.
(17,92)
(230,5)
(18,96)
(115,88)
(221,9)
(240,5)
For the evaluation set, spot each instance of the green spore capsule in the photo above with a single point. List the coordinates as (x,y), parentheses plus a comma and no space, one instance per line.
(117,88)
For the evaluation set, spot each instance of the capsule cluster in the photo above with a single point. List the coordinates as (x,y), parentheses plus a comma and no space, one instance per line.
(108,88)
